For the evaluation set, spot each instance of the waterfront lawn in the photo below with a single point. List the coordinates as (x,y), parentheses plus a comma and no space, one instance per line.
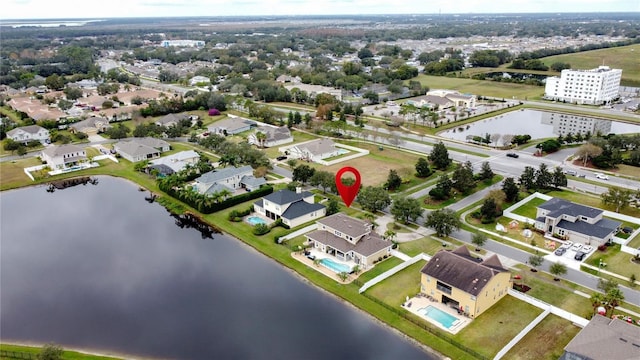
(493,329)
(394,290)
(553,331)
(379,268)
(529,209)
(13,174)
(66,355)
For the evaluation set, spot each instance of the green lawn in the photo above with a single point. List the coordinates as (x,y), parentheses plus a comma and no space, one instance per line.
(482,87)
(395,289)
(425,245)
(553,331)
(530,208)
(493,329)
(67,354)
(380,267)
(617,262)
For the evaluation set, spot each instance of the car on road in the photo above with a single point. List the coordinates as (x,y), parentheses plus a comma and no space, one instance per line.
(280,158)
(513,155)
(601,176)
(580,255)
(576,247)
(560,251)
(571,172)
(587,248)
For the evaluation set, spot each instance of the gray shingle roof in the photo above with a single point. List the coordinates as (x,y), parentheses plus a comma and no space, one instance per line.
(346,225)
(224,173)
(152,142)
(600,229)
(368,245)
(60,150)
(605,338)
(135,149)
(319,147)
(32,129)
(300,208)
(558,207)
(253,182)
(460,270)
(285,196)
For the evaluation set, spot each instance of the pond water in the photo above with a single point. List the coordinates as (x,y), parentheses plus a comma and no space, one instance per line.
(99,268)
(538,124)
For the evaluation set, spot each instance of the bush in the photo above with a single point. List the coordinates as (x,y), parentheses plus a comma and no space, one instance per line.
(437,194)
(260,229)
(602,247)
(214,112)
(488,220)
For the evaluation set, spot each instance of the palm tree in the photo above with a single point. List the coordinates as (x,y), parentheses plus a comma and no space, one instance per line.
(613,298)
(261,137)
(597,299)
(343,275)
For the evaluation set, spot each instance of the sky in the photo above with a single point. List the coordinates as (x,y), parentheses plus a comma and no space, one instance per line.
(93,9)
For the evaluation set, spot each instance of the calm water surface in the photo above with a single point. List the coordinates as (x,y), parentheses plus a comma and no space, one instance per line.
(97,267)
(539,124)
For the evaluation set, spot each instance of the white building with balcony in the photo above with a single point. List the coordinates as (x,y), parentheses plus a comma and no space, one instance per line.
(591,87)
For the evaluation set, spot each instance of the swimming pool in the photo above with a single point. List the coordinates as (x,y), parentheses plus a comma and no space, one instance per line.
(343,151)
(254,220)
(438,315)
(334,266)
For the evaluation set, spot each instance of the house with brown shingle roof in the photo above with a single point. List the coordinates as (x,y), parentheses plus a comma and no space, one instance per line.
(460,280)
(349,239)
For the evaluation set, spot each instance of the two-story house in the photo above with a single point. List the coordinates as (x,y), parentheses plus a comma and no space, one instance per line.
(575,222)
(24,134)
(294,208)
(463,282)
(349,239)
(63,156)
(229,179)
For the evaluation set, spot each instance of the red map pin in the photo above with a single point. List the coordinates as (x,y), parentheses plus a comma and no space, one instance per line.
(348,193)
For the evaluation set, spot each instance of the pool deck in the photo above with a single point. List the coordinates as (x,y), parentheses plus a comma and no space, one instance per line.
(416,303)
(322,269)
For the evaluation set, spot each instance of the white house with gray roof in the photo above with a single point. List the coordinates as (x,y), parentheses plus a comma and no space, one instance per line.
(231,126)
(24,134)
(349,239)
(314,150)
(63,156)
(294,208)
(178,161)
(575,222)
(140,149)
(230,179)
(274,136)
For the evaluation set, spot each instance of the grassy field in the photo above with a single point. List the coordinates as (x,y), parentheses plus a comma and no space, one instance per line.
(482,87)
(530,208)
(395,290)
(624,57)
(553,331)
(67,354)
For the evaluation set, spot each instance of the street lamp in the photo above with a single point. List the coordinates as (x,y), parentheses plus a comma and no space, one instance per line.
(600,265)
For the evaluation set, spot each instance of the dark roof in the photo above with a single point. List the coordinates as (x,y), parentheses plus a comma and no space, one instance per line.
(162,169)
(285,196)
(300,208)
(600,229)
(368,245)
(558,207)
(604,338)
(346,225)
(460,270)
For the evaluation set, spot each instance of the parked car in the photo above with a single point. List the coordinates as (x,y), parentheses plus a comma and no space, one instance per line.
(576,246)
(627,229)
(280,158)
(513,155)
(560,251)
(567,244)
(601,176)
(580,255)
(587,248)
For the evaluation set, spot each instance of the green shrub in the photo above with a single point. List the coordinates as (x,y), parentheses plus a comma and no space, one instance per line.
(260,229)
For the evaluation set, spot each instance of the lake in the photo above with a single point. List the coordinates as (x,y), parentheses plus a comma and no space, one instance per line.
(539,124)
(96,267)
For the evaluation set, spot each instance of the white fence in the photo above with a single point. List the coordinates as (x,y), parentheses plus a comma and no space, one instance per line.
(553,309)
(393,271)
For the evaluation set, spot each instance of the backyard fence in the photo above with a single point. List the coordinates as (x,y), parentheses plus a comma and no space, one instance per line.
(7,354)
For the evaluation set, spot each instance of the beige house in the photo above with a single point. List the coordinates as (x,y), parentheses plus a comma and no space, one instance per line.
(294,208)
(63,156)
(28,133)
(463,282)
(349,239)
(90,126)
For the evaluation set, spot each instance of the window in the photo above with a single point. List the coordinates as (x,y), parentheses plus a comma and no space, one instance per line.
(443,287)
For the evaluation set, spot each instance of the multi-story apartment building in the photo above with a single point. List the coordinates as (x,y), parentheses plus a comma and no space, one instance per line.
(593,87)
(564,124)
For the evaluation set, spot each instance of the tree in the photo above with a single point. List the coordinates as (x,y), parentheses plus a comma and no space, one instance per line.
(439,156)
(54,82)
(557,270)
(543,177)
(389,235)
(510,189)
(462,178)
(597,300)
(406,209)
(374,198)
(587,152)
(528,178)
(616,197)
(393,180)
(442,189)
(558,178)
(72,93)
(443,221)
(261,137)
(332,206)
(489,210)
(486,173)
(535,261)
(479,239)
(51,352)
(323,179)
(303,173)
(422,168)
(613,298)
